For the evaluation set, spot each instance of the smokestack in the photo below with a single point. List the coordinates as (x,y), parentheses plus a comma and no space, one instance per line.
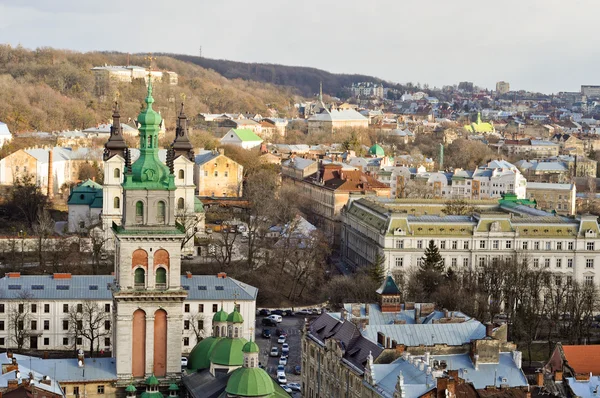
(50,175)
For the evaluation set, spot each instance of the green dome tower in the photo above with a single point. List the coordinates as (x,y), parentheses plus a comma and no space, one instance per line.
(250,380)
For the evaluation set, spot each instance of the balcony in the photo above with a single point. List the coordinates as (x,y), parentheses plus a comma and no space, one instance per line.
(161,286)
(139,286)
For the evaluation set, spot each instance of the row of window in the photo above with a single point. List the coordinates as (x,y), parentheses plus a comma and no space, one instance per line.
(117,205)
(216,173)
(215,308)
(65,325)
(65,341)
(497,244)
(34,308)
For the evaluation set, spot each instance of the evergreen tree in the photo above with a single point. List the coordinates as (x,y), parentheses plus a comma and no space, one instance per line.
(431,270)
(377,270)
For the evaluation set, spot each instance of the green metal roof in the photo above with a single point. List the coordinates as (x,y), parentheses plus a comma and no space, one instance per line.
(235,317)
(250,382)
(376,150)
(250,346)
(246,135)
(388,287)
(198,206)
(220,316)
(131,388)
(199,357)
(88,193)
(228,352)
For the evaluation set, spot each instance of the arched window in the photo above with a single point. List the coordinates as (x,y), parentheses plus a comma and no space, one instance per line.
(181,174)
(160,212)
(236,332)
(252,363)
(139,212)
(117,173)
(150,142)
(229,331)
(161,278)
(223,331)
(139,278)
(180,203)
(216,331)
(117,202)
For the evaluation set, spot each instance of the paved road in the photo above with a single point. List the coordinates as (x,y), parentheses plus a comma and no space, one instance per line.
(292,326)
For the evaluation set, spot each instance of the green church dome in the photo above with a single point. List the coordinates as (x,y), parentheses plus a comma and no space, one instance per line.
(249,382)
(228,352)
(250,346)
(173,387)
(199,357)
(235,317)
(131,388)
(148,172)
(220,316)
(152,381)
(376,150)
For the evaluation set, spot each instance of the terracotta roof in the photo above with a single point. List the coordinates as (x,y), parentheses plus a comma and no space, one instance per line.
(583,358)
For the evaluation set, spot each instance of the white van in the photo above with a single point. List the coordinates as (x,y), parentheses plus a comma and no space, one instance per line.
(276,318)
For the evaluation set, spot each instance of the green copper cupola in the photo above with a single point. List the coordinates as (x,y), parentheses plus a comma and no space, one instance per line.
(148,172)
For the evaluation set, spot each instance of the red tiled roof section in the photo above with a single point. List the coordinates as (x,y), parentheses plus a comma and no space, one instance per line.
(583,358)
(349,180)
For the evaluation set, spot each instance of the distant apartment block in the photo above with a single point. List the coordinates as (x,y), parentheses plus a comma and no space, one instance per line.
(590,91)
(107,74)
(502,87)
(558,198)
(367,89)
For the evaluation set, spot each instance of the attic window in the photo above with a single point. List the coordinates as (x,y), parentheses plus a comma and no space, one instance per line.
(442,229)
(451,229)
(201,287)
(535,230)
(559,231)
(185,287)
(14,287)
(37,287)
(219,288)
(419,229)
(82,196)
(62,287)
(525,230)
(93,287)
(546,230)
(462,230)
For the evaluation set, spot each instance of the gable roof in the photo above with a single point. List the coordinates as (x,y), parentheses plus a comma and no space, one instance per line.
(583,358)
(244,135)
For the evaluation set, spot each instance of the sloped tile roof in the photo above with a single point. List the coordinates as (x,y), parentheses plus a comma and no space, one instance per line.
(583,358)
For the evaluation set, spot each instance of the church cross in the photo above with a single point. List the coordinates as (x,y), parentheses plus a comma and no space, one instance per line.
(150,58)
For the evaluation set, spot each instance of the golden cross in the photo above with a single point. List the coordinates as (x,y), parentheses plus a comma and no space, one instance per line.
(150,58)
(183,96)
(251,331)
(117,95)
(235,297)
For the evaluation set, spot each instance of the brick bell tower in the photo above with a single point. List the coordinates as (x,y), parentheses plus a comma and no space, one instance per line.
(148,297)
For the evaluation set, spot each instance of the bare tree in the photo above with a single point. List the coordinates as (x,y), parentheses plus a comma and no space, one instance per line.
(223,246)
(98,240)
(196,321)
(19,320)
(189,222)
(43,229)
(88,320)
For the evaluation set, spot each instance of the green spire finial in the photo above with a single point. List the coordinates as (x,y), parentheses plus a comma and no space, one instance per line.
(149,98)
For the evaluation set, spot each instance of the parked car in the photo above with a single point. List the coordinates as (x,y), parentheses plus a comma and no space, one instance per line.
(266,333)
(208,230)
(268,322)
(281,379)
(278,312)
(316,311)
(280,370)
(280,332)
(274,352)
(189,256)
(276,318)
(264,312)
(294,386)
(287,389)
(184,362)
(304,312)
(283,360)
(285,348)
(281,339)
(297,370)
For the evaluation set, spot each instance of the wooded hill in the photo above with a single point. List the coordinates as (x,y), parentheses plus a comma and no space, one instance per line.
(305,79)
(47,90)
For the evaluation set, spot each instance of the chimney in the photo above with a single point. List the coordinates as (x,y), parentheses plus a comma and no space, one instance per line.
(558,375)
(12,385)
(9,353)
(59,275)
(539,379)
(50,175)
(446,313)
(344,314)
(188,275)
(489,329)
(222,275)
(13,275)
(476,361)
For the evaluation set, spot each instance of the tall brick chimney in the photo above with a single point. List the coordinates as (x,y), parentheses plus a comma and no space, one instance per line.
(50,175)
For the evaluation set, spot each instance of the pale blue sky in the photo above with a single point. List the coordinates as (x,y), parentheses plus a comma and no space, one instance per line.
(544,45)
